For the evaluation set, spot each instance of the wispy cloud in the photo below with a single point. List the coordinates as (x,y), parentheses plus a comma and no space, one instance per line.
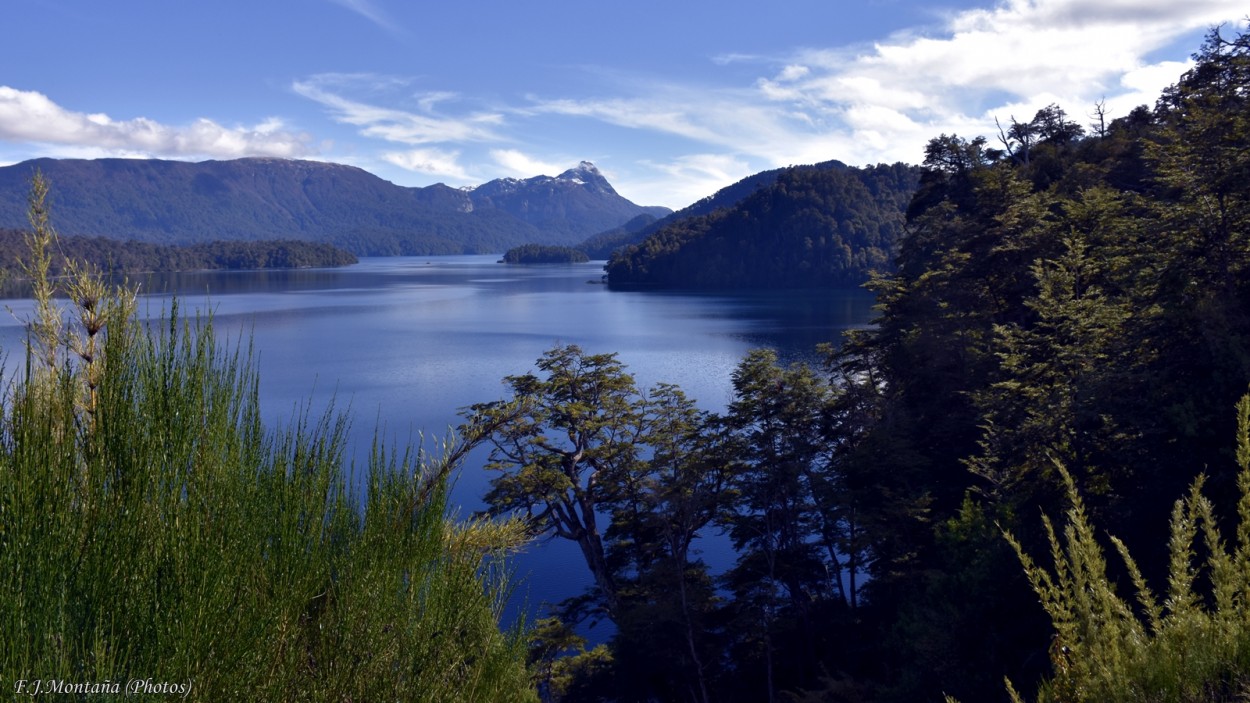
(731,119)
(391,124)
(373,13)
(688,178)
(28,116)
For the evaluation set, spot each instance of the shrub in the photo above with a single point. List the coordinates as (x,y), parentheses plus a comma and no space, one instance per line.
(1193,645)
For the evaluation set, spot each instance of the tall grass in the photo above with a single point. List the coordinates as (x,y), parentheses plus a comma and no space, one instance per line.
(151,527)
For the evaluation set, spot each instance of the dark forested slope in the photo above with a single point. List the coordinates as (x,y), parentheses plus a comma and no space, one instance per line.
(810,227)
(602,245)
(1075,298)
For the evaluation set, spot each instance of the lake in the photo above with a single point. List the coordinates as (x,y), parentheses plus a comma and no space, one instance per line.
(404,342)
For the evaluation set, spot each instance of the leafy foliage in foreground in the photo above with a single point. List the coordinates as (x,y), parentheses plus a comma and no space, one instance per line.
(1193,645)
(152,527)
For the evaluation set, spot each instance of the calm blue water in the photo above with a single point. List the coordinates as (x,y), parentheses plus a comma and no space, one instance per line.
(403,343)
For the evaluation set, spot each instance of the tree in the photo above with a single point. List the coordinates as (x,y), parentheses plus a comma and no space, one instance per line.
(633,479)
(1063,367)
(788,568)
(1201,210)
(559,444)
(657,515)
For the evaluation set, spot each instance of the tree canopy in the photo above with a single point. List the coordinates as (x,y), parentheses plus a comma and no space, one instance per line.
(1065,328)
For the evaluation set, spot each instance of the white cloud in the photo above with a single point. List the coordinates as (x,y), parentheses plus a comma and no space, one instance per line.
(883,102)
(523,165)
(28,116)
(434,162)
(1143,85)
(1073,50)
(793,72)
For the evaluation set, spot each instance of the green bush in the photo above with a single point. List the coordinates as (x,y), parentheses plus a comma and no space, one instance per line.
(1192,645)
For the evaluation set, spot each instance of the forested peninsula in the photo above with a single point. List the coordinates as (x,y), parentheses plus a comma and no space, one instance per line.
(120,257)
(811,227)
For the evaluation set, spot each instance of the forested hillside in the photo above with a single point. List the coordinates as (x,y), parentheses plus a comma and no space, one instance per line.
(1072,302)
(1077,297)
(811,227)
(114,256)
(601,245)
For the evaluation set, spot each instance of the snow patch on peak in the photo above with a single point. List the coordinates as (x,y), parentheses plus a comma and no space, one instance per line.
(581,173)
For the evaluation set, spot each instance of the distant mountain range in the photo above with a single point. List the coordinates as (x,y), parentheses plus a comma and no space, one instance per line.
(176,202)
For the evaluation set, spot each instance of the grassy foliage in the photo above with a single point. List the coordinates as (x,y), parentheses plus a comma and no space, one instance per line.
(152,527)
(1192,645)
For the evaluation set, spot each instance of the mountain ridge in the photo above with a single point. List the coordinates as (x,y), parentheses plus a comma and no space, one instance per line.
(255,198)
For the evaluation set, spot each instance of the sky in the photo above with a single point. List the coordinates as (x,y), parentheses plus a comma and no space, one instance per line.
(670,100)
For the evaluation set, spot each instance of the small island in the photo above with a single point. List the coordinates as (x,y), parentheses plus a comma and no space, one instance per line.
(543,254)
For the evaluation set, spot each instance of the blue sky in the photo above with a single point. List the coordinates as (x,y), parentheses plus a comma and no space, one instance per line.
(671,100)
